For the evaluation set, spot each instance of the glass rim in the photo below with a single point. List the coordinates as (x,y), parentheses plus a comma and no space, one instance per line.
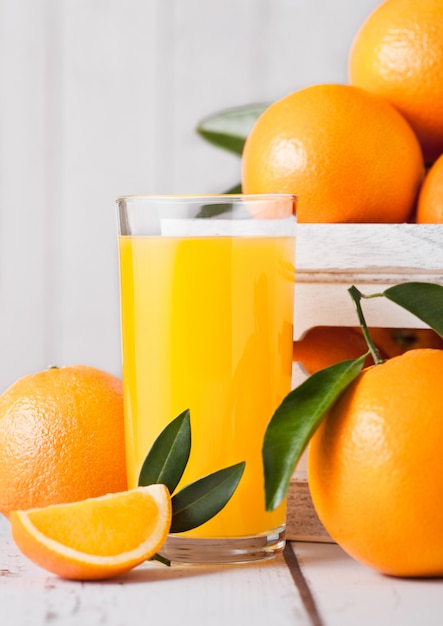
(208,197)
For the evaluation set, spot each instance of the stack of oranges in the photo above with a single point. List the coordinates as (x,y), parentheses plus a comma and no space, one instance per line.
(368,151)
(371,151)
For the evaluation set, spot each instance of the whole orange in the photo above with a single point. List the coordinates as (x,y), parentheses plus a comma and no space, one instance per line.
(347,154)
(398,54)
(395,341)
(430,198)
(375,466)
(322,346)
(61,438)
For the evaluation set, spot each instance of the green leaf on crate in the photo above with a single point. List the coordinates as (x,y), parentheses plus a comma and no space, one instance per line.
(228,129)
(213,210)
(168,457)
(235,190)
(295,421)
(424,300)
(199,501)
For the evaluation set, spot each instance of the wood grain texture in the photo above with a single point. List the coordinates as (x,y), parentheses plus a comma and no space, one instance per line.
(349,594)
(315,584)
(259,594)
(329,259)
(378,251)
(302,523)
(332,257)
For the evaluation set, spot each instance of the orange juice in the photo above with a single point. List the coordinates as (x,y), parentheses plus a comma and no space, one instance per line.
(207,326)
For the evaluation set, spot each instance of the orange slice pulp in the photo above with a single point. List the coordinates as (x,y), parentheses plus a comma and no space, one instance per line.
(95,538)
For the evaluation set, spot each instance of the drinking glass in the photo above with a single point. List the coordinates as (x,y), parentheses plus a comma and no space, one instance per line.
(207,292)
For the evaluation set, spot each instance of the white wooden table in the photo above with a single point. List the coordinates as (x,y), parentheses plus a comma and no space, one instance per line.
(313,584)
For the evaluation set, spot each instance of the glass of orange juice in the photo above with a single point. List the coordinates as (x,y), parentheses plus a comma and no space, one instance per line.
(207,292)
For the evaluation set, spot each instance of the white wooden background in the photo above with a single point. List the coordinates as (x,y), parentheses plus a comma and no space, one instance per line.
(100,98)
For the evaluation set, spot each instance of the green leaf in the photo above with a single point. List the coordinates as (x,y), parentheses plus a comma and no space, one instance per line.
(213,210)
(295,421)
(236,189)
(199,501)
(168,457)
(228,129)
(424,300)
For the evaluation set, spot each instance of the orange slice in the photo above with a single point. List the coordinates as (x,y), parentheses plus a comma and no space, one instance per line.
(98,537)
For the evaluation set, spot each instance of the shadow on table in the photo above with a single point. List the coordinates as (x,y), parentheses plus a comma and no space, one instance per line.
(155,572)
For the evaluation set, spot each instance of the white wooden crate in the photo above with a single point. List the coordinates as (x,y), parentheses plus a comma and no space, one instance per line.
(330,258)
